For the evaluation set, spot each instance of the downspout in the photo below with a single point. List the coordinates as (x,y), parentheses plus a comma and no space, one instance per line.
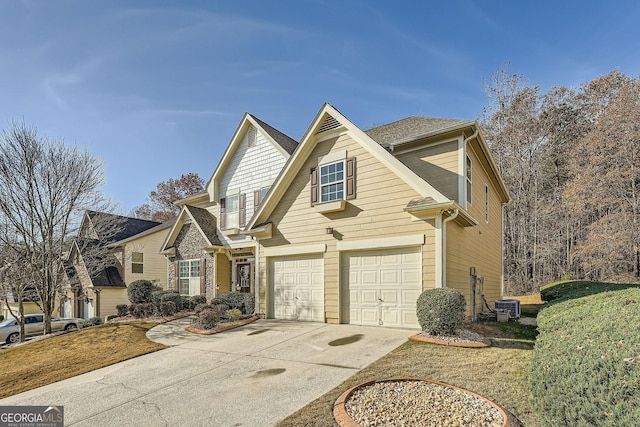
(444,245)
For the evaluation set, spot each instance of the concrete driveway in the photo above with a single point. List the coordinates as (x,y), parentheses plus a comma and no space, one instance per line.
(251,376)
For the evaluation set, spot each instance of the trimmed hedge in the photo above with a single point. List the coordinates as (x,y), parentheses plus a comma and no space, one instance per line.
(139,292)
(159,297)
(586,363)
(123,309)
(441,310)
(208,318)
(244,302)
(168,308)
(142,310)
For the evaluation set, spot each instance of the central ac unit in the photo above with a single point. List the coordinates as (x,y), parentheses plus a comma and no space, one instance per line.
(513,305)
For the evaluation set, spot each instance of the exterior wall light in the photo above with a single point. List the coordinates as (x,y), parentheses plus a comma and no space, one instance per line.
(329,230)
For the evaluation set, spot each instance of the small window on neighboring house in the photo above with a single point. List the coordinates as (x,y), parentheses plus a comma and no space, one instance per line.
(333,181)
(251,137)
(137,261)
(468,174)
(232,211)
(486,203)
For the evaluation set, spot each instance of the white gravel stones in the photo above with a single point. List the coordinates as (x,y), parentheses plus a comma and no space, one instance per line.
(419,403)
(461,335)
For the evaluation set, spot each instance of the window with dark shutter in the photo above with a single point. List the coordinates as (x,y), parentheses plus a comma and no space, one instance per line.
(256,200)
(223,213)
(242,210)
(351,178)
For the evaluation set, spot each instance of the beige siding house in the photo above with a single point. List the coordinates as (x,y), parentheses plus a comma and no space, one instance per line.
(359,223)
(110,252)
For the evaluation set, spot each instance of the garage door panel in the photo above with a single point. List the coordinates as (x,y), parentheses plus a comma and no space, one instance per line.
(298,288)
(391,275)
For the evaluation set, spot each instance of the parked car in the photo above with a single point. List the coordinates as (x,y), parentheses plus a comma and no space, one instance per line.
(34,325)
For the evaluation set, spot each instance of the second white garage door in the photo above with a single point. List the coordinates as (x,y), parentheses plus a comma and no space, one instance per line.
(381,287)
(298,288)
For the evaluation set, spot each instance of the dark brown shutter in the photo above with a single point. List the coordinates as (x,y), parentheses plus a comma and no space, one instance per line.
(223,213)
(242,211)
(351,178)
(176,270)
(314,186)
(256,200)
(203,276)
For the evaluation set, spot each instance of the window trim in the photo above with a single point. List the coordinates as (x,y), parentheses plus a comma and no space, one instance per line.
(348,180)
(189,277)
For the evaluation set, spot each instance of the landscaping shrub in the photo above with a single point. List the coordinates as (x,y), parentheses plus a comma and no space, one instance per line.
(586,363)
(201,307)
(142,309)
(221,308)
(123,309)
(209,318)
(94,321)
(1,317)
(140,291)
(198,299)
(159,297)
(441,311)
(167,308)
(233,314)
(244,302)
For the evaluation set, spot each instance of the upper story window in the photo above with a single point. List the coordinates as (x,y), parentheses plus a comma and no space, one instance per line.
(468,176)
(334,181)
(258,197)
(232,211)
(137,262)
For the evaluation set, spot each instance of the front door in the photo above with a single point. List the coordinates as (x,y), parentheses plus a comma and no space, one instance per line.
(243,275)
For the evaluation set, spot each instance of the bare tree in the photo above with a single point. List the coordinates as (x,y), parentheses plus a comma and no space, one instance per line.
(15,287)
(160,206)
(45,187)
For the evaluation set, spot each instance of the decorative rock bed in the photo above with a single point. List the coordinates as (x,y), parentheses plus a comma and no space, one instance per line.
(462,338)
(416,402)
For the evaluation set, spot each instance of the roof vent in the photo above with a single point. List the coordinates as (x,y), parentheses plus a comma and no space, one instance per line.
(329,124)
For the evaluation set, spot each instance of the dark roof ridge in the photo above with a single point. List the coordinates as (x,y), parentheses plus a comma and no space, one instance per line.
(285,141)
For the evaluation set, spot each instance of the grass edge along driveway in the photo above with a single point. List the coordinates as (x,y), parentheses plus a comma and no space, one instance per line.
(47,361)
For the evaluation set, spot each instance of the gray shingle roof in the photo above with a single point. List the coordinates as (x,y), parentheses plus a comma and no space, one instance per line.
(412,128)
(206,222)
(126,226)
(287,143)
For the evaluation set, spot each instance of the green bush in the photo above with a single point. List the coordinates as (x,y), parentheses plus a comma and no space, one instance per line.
(1,317)
(586,362)
(234,314)
(198,299)
(201,307)
(168,308)
(140,291)
(220,308)
(94,321)
(441,311)
(123,309)
(142,309)
(161,296)
(208,318)
(244,302)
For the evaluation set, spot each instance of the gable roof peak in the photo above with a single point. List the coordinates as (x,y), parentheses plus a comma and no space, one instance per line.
(285,141)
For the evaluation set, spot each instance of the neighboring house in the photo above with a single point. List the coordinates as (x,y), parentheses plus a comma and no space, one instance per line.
(359,223)
(207,248)
(104,258)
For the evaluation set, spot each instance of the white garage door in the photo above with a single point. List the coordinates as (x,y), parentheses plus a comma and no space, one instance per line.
(382,287)
(298,288)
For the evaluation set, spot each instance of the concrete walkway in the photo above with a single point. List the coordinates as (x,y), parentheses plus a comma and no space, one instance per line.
(255,375)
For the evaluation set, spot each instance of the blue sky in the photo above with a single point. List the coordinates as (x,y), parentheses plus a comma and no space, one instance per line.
(157,88)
